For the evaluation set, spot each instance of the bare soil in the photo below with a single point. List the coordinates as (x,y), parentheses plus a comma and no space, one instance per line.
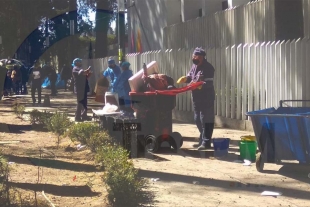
(187,178)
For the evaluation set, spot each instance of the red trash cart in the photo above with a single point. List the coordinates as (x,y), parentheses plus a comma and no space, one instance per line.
(154,112)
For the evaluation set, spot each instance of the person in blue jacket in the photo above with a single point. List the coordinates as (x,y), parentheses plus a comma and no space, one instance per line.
(112,72)
(122,87)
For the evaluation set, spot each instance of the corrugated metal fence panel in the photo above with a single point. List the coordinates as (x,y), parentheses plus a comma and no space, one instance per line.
(250,23)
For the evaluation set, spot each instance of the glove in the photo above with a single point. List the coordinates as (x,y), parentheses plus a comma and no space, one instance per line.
(182,80)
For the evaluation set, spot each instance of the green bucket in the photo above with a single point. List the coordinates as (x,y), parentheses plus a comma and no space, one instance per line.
(248,150)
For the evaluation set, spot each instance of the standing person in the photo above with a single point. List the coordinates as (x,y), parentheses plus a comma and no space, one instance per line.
(16,78)
(203,98)
(66,74)
(36,77)
(81,87)
(122,87)
(112,72)
(8,83)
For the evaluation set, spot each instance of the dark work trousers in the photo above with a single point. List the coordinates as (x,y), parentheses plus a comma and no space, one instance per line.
(17,87)
(81,109)
(53,88)
(204,118)
(36,85)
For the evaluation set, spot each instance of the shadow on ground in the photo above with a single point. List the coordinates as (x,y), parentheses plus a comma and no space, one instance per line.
(52,163)
(225,185)
(19,129)
(67,191)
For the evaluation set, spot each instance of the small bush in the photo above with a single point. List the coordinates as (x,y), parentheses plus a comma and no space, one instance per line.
(58,123)
(4,174)
(18,109)
(124,186)
(38,117)
(98,139)
(82,132)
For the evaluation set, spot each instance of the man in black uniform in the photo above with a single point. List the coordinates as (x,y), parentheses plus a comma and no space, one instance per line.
(82,88)
(203,98)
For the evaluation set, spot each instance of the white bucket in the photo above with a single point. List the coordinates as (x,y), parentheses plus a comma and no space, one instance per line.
(111,98)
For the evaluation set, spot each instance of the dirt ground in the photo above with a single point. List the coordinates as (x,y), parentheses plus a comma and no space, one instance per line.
(186,178)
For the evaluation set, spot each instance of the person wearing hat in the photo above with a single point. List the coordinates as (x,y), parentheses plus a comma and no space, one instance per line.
(80,77)
(122,87)
(112,72)
(203,97)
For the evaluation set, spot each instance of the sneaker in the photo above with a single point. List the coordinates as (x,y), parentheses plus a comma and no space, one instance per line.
(201,147)
(196,145)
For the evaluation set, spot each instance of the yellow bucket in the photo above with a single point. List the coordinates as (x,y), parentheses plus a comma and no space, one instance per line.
(248,138)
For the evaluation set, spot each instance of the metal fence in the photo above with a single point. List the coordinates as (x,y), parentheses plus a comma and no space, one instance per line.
(252,22)
(248,76)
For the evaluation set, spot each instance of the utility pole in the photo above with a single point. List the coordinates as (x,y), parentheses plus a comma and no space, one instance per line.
(121,30)
(73,29)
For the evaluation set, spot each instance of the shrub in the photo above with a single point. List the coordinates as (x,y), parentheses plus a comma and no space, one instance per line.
(58,123)
(4,174)
(18,109)
(38,117)
(82,132)
(98,139)
(124,186)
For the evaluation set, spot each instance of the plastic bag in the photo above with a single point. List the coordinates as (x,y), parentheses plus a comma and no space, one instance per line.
(108,108)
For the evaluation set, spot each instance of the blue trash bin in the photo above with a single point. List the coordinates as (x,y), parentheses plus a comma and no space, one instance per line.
(282,134)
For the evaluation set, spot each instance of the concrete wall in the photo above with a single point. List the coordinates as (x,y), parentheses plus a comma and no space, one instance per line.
(157,14)
(211,6)
(154,16)
(238,2)
(190,9)
(173,9)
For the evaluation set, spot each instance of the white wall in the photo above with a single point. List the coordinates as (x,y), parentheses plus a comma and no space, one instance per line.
(190,9)
(211,6)
(173,9)
(154,15)
(238,2)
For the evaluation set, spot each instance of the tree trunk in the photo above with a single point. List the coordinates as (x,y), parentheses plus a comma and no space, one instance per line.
(103,15)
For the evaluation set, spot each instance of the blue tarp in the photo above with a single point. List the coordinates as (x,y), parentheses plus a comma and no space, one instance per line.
(59,83)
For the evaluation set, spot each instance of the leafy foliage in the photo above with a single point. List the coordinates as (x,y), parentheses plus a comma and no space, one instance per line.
(38,117)
(98,139)
(82,132)
(124,186)
(59,123)
(18,109)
